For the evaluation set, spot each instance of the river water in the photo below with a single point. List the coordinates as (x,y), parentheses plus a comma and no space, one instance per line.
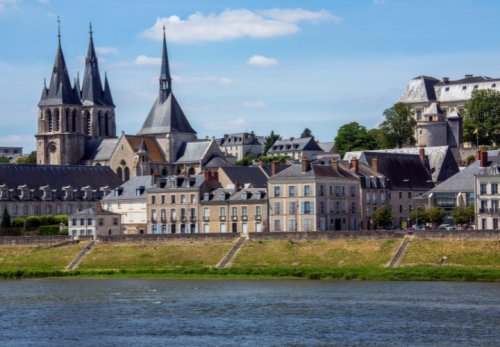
(115,312)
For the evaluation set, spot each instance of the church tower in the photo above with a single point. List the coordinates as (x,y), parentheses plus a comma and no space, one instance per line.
(166,120)
(59,140)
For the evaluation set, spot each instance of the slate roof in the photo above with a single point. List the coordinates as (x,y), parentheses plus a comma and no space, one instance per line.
(399,167)
(193,151)
(251,194)
(252,175)
(295,144)
(433,110)
(153,147)
(180,182)
(216,162)
(129,189)
(57,176)
(267,168)
(420,89)
(326,146)
(295,171)
(99,149)
(238,139)
(95,211)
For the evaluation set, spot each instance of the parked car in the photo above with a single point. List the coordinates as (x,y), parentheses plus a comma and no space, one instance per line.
(445,227)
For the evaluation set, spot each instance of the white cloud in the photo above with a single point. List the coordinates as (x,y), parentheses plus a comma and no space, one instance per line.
(260,60)
(210,79)
(254,104)
(233,24)
(8,4)
(106,50)
(230,124)
(145,60)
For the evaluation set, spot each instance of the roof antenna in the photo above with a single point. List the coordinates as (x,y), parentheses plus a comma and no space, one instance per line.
(59,30)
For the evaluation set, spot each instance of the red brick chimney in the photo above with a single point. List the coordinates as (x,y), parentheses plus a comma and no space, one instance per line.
(274,167)
(305,164)
(375,163)
(206,173)
(421,154)
(484,158)
(355,164)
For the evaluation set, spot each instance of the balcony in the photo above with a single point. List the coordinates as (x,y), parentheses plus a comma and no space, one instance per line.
(192,218)
(244,217)
(258,217)
(206,218)
(183,219)
(163,220)
(153,220)
(222,218)
(234,218)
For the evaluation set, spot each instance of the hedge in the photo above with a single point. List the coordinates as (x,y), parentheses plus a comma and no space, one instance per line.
(33,222)
(51,230)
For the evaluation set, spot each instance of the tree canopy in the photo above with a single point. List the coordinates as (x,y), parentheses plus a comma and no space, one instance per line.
(353,137)
(463,215)
(399,125)
(5,223)
(4,159)
(482,118)
(306,133)
(383,216)
(270,140)
(29,159)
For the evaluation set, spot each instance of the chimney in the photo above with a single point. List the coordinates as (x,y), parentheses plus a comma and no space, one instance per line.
(478,154)
(305,164)
(355,164)
(446,80)
(206,173)
(335,164)
(274,167)
(484,158)
(468,75)
(421,154)
(375,163)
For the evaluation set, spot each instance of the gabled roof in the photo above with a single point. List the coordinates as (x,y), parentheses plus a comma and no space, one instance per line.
(295,171)
(153,147)
(193,151)
(57,176)
(95,211)
(129,189)
(420,89)
(327,146)
(268,168)
(99,149)
(60,91)
(246,175)
(295,144)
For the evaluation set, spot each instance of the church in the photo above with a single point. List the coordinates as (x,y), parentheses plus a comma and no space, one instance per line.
(77,126)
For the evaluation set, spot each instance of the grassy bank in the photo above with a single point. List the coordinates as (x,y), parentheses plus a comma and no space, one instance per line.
(467,260)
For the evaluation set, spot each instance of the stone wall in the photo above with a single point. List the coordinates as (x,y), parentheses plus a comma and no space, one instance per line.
(33,240)
(328,235)
(168,237)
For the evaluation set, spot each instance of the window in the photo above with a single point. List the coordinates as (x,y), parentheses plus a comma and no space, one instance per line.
(321,190)
(153,216)
(82,221)
(307,224)
(353,191)
(337,191)
(192,213)
(409,195)
(89,221)
(222,195)
(192,199)
(291,191)
(322,207)
(244,195)
(494,188)
(115,221)
(222,211)
(292,208)
(277,191)
(353,207)
(234,211)
(172,199)
(100,221)
(277,225)
(400,208)
(400,195)
(244,211)
(163,228)
(277,208)
(495,223)
(183,199)
(73,221)
(163,199)
(307,207)
(382,198)
(183,213)
(163,215)
(292,225)
(257,210)
(206,228)
(483,188)
(223,227)
(419,114)
(307,190)
(483,223)
(153,199)
(173,214)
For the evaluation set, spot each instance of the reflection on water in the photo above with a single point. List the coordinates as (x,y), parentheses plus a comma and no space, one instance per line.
(247,313)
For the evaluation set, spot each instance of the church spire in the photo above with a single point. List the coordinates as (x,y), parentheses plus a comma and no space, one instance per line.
(165,78)
(92,91)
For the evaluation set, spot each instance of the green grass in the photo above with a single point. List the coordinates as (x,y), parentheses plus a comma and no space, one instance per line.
(155,255)
(35,258)
(469,253)
(316,253)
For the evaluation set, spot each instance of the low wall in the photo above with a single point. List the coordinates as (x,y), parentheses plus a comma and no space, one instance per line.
(33,240)
(458,234)
(168,237)
(329,235)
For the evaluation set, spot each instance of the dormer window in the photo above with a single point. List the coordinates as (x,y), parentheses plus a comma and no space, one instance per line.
(258,195)
(206,196)
(464,87)
(4,192)
(23,192)
(87,193)
(47,193)
(222,195)
(68,193)
(447,89)
(244,195)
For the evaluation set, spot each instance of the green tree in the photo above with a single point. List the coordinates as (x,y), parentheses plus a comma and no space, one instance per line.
(247,160)
(29,159)
(4,159)
(383,216)
(377,138)
(421,214)
(352,137)
(399,125)
(463,215)
(482,117)
(6,223)
(436,215)
(306,133)
(270,140)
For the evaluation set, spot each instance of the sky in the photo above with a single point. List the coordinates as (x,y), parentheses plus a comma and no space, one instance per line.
(245,65)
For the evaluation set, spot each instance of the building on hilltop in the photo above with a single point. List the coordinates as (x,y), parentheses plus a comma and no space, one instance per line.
(241,144)
(296,148)
(487,195)
(34,190)
(94,222)
(11,153)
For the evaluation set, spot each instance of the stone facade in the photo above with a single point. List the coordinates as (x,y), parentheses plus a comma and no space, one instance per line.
(487,195)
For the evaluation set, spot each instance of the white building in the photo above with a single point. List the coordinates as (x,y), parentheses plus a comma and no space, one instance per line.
(94,222)
(487,195)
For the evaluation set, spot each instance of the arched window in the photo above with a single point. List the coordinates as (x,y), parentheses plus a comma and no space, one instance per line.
(119,173)
(164,172)
(106,124)
(191,171)
(127,173)
(87,125)
(48,117)
(68,120)
(73,121)
(57,120)
(99,123)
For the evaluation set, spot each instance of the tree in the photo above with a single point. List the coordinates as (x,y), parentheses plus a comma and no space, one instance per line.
(29,159)
(482,117)
(4,159)
(352,137)
(247,160)
(270,140)
(436,215)
(5,219)
(399,125)
(421,214)
(377,138)
(383,216)
(463,215)
(306,133)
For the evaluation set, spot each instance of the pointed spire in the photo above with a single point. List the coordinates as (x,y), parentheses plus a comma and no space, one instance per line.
(165,78)
(142,147)
(59,31)
(107,91)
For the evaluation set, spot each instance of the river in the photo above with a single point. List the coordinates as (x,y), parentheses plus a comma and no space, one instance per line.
(137,312)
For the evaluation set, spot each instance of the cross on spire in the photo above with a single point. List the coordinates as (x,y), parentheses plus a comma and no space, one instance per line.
(59,30)
(90,29)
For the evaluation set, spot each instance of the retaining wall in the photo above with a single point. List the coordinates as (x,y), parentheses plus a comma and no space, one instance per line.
(168,237)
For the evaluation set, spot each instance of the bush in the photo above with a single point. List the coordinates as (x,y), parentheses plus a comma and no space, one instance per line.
(32,222)
(50,230)
(18,222)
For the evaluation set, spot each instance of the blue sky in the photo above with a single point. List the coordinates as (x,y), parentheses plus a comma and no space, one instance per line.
(241,65)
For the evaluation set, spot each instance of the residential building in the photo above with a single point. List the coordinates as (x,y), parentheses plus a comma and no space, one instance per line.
(241,144)
(296,148)
(34,190)
(94,222)
(307,197)
(487,195)
(11,153)
(129,200)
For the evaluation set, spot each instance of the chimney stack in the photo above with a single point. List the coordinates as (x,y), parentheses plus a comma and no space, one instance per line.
(274,167)
(446,80)
(335,164)
(468,75)
(375,163)
(484,158)
(355,164)
(206,173)
(305,164)
(421,154)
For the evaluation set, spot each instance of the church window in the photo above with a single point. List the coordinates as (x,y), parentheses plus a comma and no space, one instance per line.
(127,173)
(49,120)
(106,124)
(67,119)
(57,120)
(73,121)
(119,173)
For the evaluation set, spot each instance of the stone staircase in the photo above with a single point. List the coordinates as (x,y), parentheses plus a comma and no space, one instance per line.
(229,257)
(76,261)
(399,253)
